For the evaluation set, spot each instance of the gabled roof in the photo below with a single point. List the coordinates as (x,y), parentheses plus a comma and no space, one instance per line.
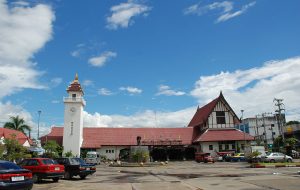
(75,86)
(203,113)
(20,137)
(95,137)
(226,134)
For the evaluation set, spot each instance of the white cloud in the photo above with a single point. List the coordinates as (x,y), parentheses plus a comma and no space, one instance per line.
(148,118)
(87,83)
(228,15)
(56,81)
(104,92)
(99,61)
(23,32)
(55,101)
(122,14)
(131,90)
(253,90)
(166,90)
(227,10)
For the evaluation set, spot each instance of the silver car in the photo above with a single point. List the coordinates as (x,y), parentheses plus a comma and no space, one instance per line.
(277,157)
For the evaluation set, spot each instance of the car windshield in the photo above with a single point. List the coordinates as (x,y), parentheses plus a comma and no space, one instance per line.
(269,153)
(9,166)
(49,161)
(76,161)
(91,155)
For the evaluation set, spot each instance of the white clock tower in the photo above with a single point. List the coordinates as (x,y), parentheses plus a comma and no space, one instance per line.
(73,118)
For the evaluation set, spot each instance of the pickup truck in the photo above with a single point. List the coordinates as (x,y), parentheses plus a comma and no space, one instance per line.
(76,167)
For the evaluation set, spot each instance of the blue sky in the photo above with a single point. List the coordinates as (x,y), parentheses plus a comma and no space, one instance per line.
(147,63)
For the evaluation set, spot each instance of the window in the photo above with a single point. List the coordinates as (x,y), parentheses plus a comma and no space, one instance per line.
(226,146)
(112,151)
(220,147)
(73,96)
(233,146)
(220,117)
(211,147)
(106,151)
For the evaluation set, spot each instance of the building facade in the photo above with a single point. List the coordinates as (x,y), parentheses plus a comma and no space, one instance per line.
(265,128)
(210,130)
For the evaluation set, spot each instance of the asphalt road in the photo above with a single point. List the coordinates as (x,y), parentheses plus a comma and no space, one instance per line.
(186,175)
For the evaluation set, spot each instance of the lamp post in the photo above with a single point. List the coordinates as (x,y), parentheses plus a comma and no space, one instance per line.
(39,115)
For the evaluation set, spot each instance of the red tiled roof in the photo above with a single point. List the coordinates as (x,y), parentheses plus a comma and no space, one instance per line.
(75,86)
(213,135)
(21,137)
(203,113)
(97,137)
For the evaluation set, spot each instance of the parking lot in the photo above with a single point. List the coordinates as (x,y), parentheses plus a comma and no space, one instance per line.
(187,175)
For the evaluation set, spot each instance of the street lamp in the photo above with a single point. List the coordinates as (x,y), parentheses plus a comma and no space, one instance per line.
(39,114)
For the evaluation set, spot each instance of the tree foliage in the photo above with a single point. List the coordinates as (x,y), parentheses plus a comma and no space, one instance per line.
(14,150)
(292,122)
(18,124)
(52,149)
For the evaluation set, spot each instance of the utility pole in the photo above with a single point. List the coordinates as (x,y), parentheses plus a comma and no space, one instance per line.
(242,111)
(280,105)
(264,125)
(39,114)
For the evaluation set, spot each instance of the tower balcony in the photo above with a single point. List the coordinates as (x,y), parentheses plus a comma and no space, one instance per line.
(74,99)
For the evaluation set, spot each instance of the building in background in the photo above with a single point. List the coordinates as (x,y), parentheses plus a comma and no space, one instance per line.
(264,128)
(210,130)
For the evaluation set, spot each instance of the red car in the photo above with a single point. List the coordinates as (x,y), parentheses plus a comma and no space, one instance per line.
(203,157)
(43,168)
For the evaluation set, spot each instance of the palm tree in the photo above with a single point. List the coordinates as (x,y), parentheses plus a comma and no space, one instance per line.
(18,124)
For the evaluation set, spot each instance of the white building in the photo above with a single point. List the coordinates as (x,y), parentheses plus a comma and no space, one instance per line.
(263,128)
(73,118)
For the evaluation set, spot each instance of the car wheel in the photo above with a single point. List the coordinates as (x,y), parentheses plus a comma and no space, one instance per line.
(82,176)
(272,161)
(56,179)
(289,160)
(67,175)
(35,178)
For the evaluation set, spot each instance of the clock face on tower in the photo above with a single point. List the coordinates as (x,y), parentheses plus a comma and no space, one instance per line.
(73,110)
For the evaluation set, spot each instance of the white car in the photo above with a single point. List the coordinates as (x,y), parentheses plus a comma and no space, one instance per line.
(277,157)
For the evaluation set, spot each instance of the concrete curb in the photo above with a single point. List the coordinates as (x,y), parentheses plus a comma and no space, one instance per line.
(274,166)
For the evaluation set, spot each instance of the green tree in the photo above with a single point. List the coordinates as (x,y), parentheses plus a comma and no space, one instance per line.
(291,142)
(292,122)
(18,124)
(52,148)
(14,150)
(2,150)
(278,142)
(69,154)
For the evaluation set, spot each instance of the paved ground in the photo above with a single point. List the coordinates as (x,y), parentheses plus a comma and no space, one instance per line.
(187,175)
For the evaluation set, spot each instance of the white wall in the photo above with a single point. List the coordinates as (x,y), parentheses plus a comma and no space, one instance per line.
(73,125)
(229,117)
(257,125)
(111,155)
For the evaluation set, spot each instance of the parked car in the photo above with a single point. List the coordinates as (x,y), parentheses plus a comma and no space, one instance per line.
(277,157)
(76,167)
(92,157)
(225,156)
(238,157)
(43,168)
(203,157)
(14,177)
